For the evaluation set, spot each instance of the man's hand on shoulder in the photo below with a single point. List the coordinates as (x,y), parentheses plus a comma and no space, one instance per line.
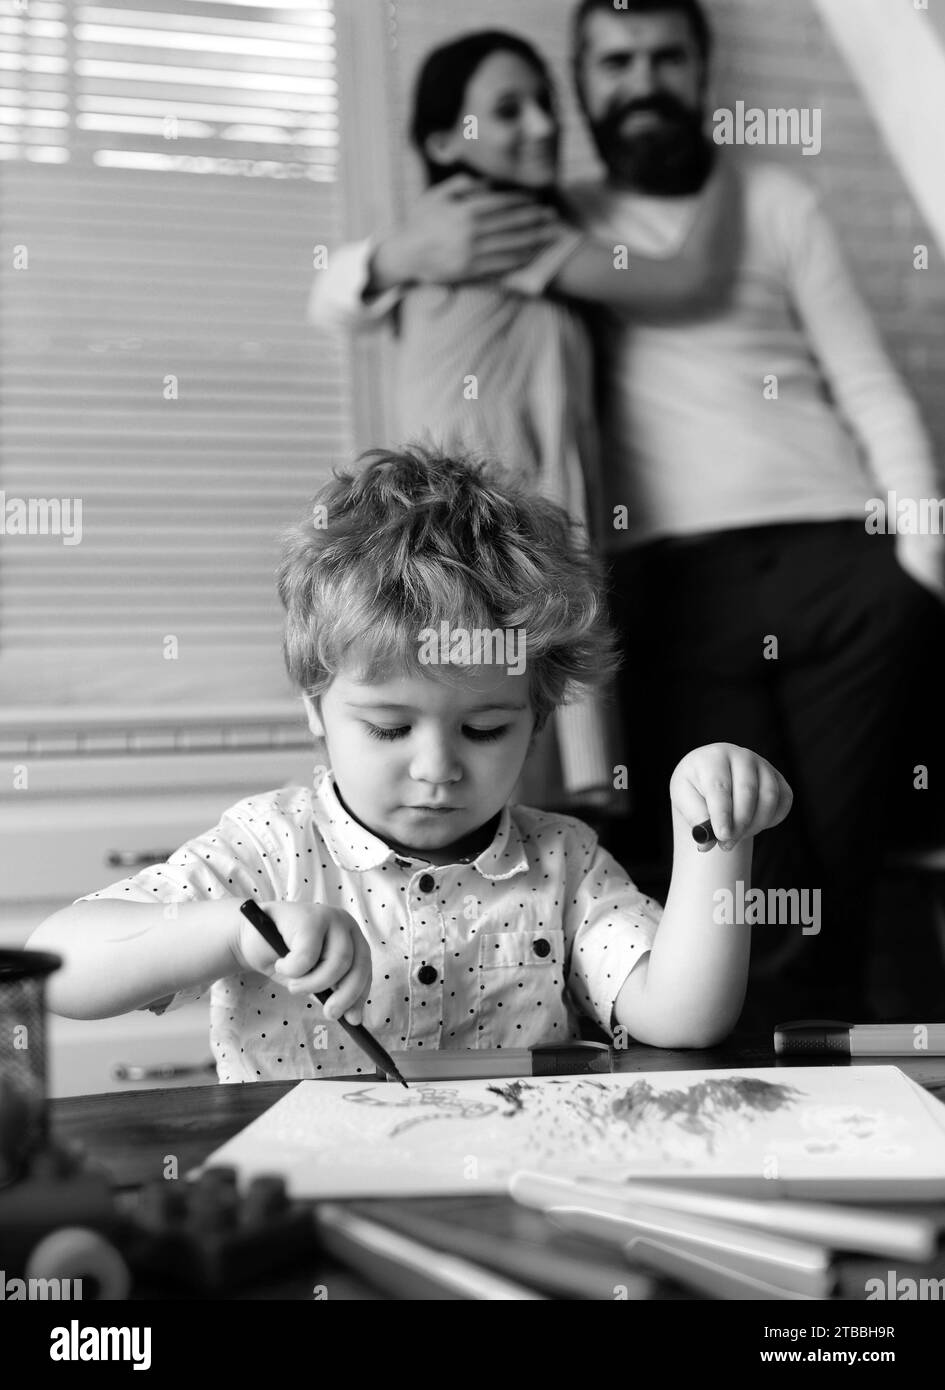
(460,230)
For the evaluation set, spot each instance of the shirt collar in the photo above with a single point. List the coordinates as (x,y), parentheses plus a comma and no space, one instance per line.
(356,849)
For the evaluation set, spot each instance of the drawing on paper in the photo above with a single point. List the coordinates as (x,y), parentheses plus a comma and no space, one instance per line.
(432,1103)
(636,1117)
(374,1139)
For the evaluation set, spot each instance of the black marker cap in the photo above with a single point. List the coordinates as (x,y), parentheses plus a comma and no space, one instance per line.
(812,1035)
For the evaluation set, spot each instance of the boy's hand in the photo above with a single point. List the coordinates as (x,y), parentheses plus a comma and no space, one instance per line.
(733,787)
(326,951)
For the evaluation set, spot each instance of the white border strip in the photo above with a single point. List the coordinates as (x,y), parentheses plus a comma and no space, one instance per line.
(897,57)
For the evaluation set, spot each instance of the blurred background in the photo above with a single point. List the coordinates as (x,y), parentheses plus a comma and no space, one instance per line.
(168,173)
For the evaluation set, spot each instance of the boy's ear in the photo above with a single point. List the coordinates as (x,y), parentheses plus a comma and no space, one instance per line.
(313,715)
(537,729)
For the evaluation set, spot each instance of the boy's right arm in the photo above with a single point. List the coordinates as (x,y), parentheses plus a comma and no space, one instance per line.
(118,956)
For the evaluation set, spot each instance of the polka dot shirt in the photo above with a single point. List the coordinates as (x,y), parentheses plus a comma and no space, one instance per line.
(499,952)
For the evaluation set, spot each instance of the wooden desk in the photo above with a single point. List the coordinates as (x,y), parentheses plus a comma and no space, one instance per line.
(131,1133)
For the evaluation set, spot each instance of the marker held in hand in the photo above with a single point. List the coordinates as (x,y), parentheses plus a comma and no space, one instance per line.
(357,1032)
(703,834)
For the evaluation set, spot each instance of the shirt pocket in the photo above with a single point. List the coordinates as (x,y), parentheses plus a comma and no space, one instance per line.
(521,988)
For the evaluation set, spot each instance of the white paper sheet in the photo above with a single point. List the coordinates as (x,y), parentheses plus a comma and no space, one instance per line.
(337,1139)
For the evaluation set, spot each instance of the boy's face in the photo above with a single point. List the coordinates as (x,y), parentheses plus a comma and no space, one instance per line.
(423,761)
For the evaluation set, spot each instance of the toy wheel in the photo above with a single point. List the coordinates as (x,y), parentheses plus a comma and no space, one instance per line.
(76,1253)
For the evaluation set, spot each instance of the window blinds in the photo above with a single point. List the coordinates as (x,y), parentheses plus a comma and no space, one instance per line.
(166,169)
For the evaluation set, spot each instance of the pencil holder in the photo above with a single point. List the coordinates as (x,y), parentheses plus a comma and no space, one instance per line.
(22,1057)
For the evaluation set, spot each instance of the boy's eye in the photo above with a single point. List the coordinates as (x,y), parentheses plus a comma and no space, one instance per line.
(508,110)
(382,731)
(399,730)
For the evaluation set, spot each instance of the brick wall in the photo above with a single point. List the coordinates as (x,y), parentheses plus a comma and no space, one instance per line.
(771,53)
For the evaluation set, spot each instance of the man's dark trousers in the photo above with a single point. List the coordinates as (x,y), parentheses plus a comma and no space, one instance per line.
(809,644)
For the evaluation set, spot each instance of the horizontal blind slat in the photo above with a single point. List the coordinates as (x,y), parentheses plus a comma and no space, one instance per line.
(156,250)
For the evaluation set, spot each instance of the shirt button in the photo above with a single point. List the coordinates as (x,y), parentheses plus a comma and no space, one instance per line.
(541,947)
(427,883)
(426,974)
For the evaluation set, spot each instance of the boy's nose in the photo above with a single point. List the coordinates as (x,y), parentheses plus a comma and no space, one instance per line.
(435,762)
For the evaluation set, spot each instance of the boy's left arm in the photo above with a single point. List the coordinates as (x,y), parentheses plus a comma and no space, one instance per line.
(690,990)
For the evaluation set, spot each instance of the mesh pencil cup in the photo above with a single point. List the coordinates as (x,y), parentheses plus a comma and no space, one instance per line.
(22,1057)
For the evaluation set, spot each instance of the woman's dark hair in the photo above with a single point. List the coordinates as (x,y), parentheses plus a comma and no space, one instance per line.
(441,85)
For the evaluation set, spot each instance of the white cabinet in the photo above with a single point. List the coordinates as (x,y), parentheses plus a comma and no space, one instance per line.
(57,838)
(133,1052)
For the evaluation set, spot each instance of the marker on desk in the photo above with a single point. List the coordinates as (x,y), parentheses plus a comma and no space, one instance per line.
(860,1039)
(356,1031)
(407,1267)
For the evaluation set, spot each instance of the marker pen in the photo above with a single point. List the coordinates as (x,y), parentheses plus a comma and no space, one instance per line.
(860,1039)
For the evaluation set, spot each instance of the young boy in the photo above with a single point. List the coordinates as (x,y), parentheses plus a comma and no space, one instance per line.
(435,617)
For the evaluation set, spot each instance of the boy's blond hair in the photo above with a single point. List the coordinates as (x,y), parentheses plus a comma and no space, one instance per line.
(416,539)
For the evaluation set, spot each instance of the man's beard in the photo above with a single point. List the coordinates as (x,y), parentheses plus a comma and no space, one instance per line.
(670,159)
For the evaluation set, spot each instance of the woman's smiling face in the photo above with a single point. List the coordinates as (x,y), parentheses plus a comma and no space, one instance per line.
(424,761)
(515,135)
